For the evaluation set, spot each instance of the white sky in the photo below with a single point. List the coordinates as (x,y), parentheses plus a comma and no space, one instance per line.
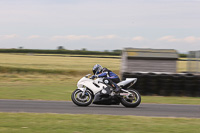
(100,24)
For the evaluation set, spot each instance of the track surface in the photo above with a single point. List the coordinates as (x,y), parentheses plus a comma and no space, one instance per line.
(158,110)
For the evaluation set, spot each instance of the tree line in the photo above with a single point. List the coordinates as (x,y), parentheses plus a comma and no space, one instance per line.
(62,51)
(65,51)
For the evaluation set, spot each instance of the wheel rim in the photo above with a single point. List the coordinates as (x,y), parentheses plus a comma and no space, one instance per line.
(133,98)
(82,98)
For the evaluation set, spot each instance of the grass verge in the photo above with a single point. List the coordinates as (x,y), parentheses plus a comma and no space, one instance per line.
(68,123)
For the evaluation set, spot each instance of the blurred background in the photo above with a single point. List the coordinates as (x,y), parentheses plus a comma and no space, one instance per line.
(46,46)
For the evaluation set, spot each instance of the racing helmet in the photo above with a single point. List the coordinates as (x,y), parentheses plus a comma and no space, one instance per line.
(97,69)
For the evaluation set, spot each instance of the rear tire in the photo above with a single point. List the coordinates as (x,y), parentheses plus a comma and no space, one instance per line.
(80,100)
(133,101)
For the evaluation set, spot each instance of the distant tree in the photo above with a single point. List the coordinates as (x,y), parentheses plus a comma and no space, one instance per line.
(61,48)
(21,47)
(117,50)
(106,51)
(84,49)
(183,55)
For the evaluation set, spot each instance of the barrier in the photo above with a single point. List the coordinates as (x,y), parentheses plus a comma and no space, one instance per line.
(165,84)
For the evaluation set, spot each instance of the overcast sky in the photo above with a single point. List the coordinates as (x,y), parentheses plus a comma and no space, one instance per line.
(100,24)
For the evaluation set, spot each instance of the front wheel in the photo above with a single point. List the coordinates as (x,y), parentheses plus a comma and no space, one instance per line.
(81,100)
(132,100)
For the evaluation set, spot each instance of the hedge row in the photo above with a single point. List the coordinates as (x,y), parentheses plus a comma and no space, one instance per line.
(80,52)
(180,84)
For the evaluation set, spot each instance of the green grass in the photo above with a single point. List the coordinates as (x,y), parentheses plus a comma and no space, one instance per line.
(37,92)
(36,86)
(66,123)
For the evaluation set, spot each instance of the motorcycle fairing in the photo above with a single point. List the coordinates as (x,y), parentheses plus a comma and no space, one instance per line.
(97,84)
(127,82)
(105,100)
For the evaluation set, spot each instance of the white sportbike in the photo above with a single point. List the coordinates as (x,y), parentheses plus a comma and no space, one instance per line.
(98,91)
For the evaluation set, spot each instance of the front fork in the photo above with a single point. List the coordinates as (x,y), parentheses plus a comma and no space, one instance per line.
(84,92)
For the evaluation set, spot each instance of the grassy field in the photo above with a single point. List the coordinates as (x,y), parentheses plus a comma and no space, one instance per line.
(80,65)
(66,123)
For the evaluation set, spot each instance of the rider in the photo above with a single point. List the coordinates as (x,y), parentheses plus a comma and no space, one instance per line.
(111,77)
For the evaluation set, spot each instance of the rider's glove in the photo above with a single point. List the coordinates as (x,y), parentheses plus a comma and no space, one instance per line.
(94,76)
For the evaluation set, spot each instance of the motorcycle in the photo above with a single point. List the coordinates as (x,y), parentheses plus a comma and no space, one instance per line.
(98,91)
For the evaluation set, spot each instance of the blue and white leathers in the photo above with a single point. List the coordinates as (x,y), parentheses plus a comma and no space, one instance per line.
(110,75)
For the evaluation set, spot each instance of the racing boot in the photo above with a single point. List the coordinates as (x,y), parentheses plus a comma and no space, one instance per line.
(117,90)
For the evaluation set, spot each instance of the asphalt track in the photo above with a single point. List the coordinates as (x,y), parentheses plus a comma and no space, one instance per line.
(156,110)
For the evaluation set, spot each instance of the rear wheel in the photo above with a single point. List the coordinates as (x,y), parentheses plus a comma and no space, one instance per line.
(81,100)
(132,100)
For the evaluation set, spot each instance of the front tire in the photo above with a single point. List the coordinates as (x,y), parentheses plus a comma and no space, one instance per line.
(132,101)
(81,100)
